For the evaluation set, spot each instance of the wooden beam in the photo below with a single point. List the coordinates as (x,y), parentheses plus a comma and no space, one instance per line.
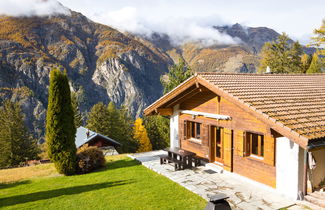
(165,111)
(183,97)
(186,96)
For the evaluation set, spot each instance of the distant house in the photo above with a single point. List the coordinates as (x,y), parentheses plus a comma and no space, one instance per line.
(91,138)
(266,127)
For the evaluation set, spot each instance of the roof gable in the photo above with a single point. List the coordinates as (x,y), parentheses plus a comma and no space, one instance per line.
(82,138)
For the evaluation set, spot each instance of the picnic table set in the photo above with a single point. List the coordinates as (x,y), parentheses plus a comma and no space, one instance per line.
(182,159)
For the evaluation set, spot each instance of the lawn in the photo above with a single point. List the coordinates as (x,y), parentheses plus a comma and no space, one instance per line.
(122,184)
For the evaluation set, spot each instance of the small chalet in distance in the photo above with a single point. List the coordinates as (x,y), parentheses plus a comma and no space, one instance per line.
(91,138)
(269,128)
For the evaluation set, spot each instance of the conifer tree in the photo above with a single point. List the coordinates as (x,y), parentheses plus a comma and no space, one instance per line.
(140,134)
(16,144)
(315,66)
(158,131)
(60,127)
(129,144)
(177,74)
(77,114)
(114,123)
(120,128)
(281,56)
(113,120)
(98,119)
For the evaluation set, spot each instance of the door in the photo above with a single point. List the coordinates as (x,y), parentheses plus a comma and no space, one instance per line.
(217,148)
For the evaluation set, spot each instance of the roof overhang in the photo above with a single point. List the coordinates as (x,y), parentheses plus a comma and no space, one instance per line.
(207,115)
(316,144)
(164,106)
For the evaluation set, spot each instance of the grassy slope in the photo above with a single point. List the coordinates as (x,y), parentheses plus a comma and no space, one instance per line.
(123,184)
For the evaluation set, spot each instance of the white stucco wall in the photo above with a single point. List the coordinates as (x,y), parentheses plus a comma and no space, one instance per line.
(174,142)
(289,167)
(318,174)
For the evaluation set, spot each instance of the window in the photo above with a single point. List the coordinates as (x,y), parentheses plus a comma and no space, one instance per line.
(254,144)
(192,130)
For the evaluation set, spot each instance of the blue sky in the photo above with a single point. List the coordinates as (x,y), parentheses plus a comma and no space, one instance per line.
(297,18)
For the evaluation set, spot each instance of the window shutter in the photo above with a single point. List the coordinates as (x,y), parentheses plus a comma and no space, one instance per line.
(239,142)
(269,150)
(227,145)
(247,142)
(185,129)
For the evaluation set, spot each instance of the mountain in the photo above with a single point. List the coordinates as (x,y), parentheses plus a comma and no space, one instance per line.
(240,57)
(102,64)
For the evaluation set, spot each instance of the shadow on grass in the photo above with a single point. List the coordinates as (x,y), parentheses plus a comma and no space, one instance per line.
(13,184)
(121,164)
(42,195)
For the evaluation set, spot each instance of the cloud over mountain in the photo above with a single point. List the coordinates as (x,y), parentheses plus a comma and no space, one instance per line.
(32,8)
(179,29)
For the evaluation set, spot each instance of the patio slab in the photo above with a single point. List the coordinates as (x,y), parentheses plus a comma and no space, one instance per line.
(206,181)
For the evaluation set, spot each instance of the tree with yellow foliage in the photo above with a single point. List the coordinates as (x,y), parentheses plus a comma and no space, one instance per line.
(319,39)
(140,135)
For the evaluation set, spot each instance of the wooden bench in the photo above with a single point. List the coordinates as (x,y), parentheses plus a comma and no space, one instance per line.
(196,160)
(179,165)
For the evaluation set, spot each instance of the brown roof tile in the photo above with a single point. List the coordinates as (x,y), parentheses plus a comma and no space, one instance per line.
(296,101)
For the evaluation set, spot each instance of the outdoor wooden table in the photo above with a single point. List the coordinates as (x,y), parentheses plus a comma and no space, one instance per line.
(176,153)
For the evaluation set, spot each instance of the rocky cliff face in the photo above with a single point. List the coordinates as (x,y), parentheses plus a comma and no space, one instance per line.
(102,64)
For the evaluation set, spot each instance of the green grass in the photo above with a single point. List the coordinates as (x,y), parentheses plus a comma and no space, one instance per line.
(122,184)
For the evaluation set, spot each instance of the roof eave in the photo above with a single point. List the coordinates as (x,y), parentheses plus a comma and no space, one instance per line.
(168,96)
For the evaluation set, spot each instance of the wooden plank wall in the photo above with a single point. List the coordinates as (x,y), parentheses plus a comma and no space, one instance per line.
(260,170)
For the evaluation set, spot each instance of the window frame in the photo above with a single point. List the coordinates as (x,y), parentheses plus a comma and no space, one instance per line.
(189,127)
(249,145)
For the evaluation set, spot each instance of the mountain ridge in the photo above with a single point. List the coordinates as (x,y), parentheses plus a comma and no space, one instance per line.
(104,64)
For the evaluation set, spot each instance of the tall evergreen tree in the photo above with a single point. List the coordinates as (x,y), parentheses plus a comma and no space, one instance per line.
(140,134)
(98,119)
(16,144)
(158,131)
(113,120)
(177,74)
(60,127)
(114,123)
(281,56)
(77,114)
(126,132)
(315,66)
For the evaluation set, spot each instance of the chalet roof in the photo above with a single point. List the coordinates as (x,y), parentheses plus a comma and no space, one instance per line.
(82,138)
(292,103)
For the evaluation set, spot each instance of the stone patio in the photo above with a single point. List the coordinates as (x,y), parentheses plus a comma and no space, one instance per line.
(205,181)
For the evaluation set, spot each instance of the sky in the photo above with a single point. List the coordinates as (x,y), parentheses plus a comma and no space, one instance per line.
(185,19)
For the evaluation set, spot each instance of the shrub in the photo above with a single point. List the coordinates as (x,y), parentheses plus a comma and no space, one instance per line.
(89,159)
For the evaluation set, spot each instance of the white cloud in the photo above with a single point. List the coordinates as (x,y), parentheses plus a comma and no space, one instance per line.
(32,8)
(179,29)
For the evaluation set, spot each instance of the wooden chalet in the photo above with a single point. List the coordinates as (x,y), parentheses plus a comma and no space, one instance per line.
(269,128)
(91,138)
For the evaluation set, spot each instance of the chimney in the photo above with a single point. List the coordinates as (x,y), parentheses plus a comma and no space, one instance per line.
(268,70)
(87,133)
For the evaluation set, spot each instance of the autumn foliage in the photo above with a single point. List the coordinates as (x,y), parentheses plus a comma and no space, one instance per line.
(140,135)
